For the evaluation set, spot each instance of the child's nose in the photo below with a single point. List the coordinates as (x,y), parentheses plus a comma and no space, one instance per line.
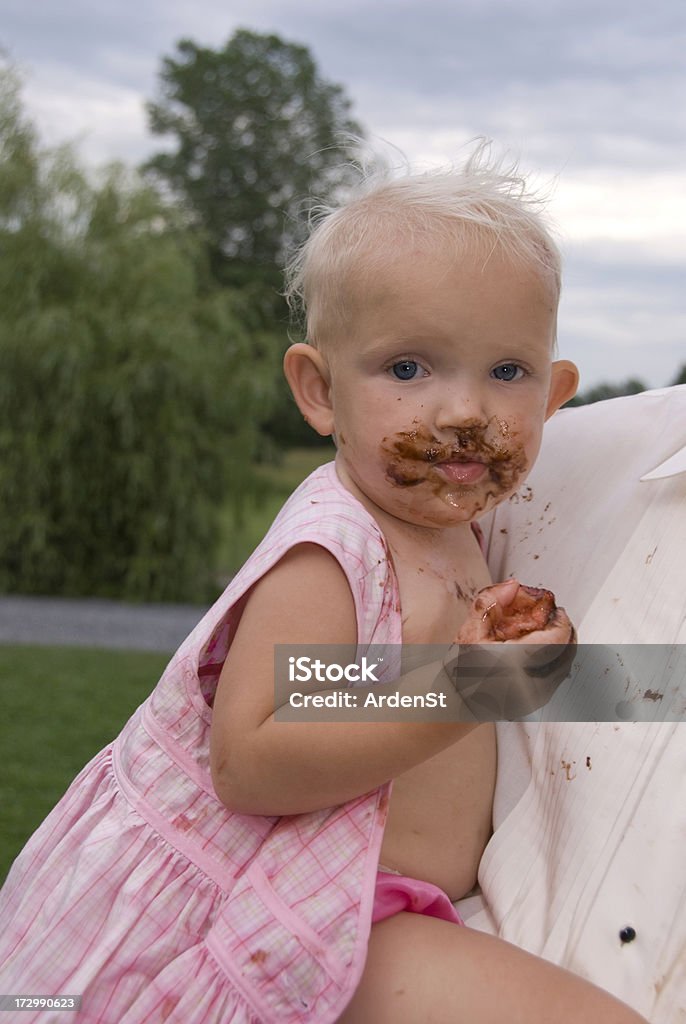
(460,405)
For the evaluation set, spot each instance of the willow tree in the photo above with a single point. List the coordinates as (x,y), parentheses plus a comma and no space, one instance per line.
(130,394)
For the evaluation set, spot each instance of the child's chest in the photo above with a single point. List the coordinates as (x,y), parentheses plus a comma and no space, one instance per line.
(437,588)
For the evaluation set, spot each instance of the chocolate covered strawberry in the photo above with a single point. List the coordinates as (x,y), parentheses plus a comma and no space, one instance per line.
(533,608)
(512,611)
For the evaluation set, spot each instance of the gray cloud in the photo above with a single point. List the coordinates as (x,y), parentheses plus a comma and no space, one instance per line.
(622,314)
(601,81)
(586,90)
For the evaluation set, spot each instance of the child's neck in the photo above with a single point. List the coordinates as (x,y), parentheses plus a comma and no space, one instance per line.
(400,532)
(434,549)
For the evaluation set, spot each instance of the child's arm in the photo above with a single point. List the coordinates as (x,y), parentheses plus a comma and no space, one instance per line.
(263,766)
(260,766)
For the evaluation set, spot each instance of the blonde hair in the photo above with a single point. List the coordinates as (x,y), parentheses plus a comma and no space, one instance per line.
(483,206)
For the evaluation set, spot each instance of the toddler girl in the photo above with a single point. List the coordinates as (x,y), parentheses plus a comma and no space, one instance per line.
(218,864)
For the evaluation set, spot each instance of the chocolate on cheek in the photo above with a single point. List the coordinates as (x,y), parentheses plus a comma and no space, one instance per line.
(409,456)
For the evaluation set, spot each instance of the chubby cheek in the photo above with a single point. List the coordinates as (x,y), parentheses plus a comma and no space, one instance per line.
(363,460)
(529,438)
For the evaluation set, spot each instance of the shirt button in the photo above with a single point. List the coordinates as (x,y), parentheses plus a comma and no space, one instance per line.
(627,934)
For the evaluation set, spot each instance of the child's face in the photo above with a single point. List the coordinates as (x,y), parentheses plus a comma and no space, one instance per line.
(440,386)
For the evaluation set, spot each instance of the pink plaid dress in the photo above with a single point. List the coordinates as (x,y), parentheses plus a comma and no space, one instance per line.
(145,895)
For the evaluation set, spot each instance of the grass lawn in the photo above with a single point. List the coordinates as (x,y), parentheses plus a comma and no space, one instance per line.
(60,706)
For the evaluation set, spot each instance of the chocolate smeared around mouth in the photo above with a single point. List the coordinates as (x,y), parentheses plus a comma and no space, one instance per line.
(410,456)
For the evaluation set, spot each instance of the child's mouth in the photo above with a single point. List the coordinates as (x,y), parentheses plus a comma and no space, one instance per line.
(462,471)
(474,457)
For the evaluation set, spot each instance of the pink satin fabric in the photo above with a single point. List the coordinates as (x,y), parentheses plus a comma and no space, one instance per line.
(397,893)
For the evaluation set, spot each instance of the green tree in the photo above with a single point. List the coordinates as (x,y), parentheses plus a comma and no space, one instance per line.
(681,376)
(257,130)
(130,393)
(601,392)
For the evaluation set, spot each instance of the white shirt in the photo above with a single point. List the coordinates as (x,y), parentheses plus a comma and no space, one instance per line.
(590,817)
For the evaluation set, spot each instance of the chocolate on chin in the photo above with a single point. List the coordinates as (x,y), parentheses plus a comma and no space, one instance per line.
(533,608)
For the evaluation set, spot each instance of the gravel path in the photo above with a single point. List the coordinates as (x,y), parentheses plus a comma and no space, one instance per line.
(92,622)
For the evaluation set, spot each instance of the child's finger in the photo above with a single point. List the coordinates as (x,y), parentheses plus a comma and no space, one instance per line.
(501,594)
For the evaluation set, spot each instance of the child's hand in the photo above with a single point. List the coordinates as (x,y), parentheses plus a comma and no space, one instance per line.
(515,648)
(511,613)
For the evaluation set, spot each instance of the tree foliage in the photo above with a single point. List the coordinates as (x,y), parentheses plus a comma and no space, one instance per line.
(257,130)
(631,386)
(130,394)
(601,392)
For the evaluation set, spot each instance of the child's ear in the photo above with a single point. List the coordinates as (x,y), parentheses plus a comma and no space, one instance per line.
(564,380)
(309,379)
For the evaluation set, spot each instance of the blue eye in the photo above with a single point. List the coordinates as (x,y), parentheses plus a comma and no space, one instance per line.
(508,372)
(405,370)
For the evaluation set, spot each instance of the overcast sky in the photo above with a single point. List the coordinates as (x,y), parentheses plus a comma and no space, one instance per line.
(590,95)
